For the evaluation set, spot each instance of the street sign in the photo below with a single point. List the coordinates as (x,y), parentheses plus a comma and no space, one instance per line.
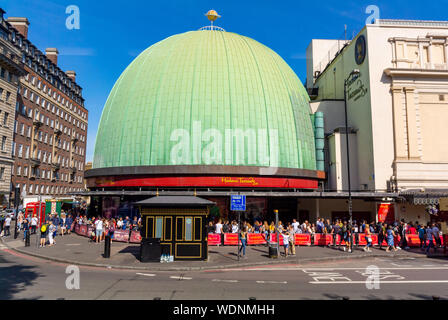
(238,203)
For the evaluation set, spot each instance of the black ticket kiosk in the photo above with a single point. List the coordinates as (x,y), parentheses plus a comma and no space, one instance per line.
(178,223)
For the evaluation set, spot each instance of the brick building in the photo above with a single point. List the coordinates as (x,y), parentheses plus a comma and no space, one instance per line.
(11,69)
(50,122)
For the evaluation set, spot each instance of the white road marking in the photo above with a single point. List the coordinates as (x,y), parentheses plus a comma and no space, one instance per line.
(381,282)
(282,282)
(146,274)
(72,244)
(219,280)
(333,269)
(400,265)
(180,278)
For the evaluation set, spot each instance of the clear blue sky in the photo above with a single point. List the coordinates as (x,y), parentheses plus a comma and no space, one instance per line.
(113,33)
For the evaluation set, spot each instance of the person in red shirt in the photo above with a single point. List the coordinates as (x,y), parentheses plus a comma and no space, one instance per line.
(411,229)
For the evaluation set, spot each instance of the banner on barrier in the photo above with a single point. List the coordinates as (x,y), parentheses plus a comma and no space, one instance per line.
(321,239)
(303,239)
(83,230)
(213,239)
(255,238)
(231,239)
(121,235)
(274,239)
(136,237)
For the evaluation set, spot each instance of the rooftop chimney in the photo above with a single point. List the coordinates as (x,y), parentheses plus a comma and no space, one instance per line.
(71,74)
(52,55)
(20,24)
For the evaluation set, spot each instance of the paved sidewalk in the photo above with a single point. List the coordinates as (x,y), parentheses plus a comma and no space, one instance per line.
(74,249)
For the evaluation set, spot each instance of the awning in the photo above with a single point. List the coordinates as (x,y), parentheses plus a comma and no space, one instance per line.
(175,201)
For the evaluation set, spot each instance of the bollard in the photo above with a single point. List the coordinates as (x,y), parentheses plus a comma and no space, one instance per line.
(107,247)
(27,239)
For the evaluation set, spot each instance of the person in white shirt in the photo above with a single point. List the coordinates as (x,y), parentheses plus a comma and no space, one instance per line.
(218,230)
(295,225)
(7,225)
(234,227)
(33,224)
(99,229)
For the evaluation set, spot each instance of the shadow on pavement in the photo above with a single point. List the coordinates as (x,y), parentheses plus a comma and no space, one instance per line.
(134,250)
(15,278)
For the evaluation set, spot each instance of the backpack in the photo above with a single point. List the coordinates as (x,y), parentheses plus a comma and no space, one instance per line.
(43,228)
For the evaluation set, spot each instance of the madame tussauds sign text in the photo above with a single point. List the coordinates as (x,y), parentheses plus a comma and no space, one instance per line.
(356,89)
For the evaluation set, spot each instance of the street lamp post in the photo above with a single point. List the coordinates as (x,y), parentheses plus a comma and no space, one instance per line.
(355,72)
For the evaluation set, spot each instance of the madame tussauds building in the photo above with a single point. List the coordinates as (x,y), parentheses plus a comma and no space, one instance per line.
(208,113)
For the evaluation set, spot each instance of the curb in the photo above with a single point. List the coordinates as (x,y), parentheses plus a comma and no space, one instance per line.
(204,268)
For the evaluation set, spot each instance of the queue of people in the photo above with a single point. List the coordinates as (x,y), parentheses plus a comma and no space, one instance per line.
(394,234)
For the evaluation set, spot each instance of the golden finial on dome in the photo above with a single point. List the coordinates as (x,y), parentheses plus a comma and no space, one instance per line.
(212,15)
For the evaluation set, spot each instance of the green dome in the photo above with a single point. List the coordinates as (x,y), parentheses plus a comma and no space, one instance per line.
(219,80)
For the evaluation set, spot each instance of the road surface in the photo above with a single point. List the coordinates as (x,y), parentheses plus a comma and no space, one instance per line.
(25,277)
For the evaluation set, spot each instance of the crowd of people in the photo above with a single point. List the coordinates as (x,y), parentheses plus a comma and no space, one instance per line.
(62,224)
(100,225)
(394,234)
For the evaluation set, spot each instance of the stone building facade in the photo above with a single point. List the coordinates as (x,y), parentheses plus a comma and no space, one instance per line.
(50,129)
(11,69)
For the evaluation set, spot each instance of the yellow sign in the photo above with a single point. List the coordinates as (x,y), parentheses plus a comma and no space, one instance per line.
(443,204)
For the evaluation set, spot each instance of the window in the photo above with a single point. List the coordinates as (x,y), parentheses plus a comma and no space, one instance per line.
(27,152)
(3,147)
(19,170)
(8,94)
(25,172)
(13,148)
(19,152)
(5,118)
(159,225)
(2,173)
(188,228)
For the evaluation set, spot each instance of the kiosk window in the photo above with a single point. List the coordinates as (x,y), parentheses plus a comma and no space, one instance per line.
(149,227)
(168,223)
(197,229)
(159,225)
(179,229)
(188,229)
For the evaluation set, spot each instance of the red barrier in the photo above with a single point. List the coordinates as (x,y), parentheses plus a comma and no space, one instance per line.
(413,240)
(362,241)
(136,237)
(213,239)
(121,235)
(255,238)
(303,239)
(375,239)
(274,239)
(231,239)
(82,230)
(323,239)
